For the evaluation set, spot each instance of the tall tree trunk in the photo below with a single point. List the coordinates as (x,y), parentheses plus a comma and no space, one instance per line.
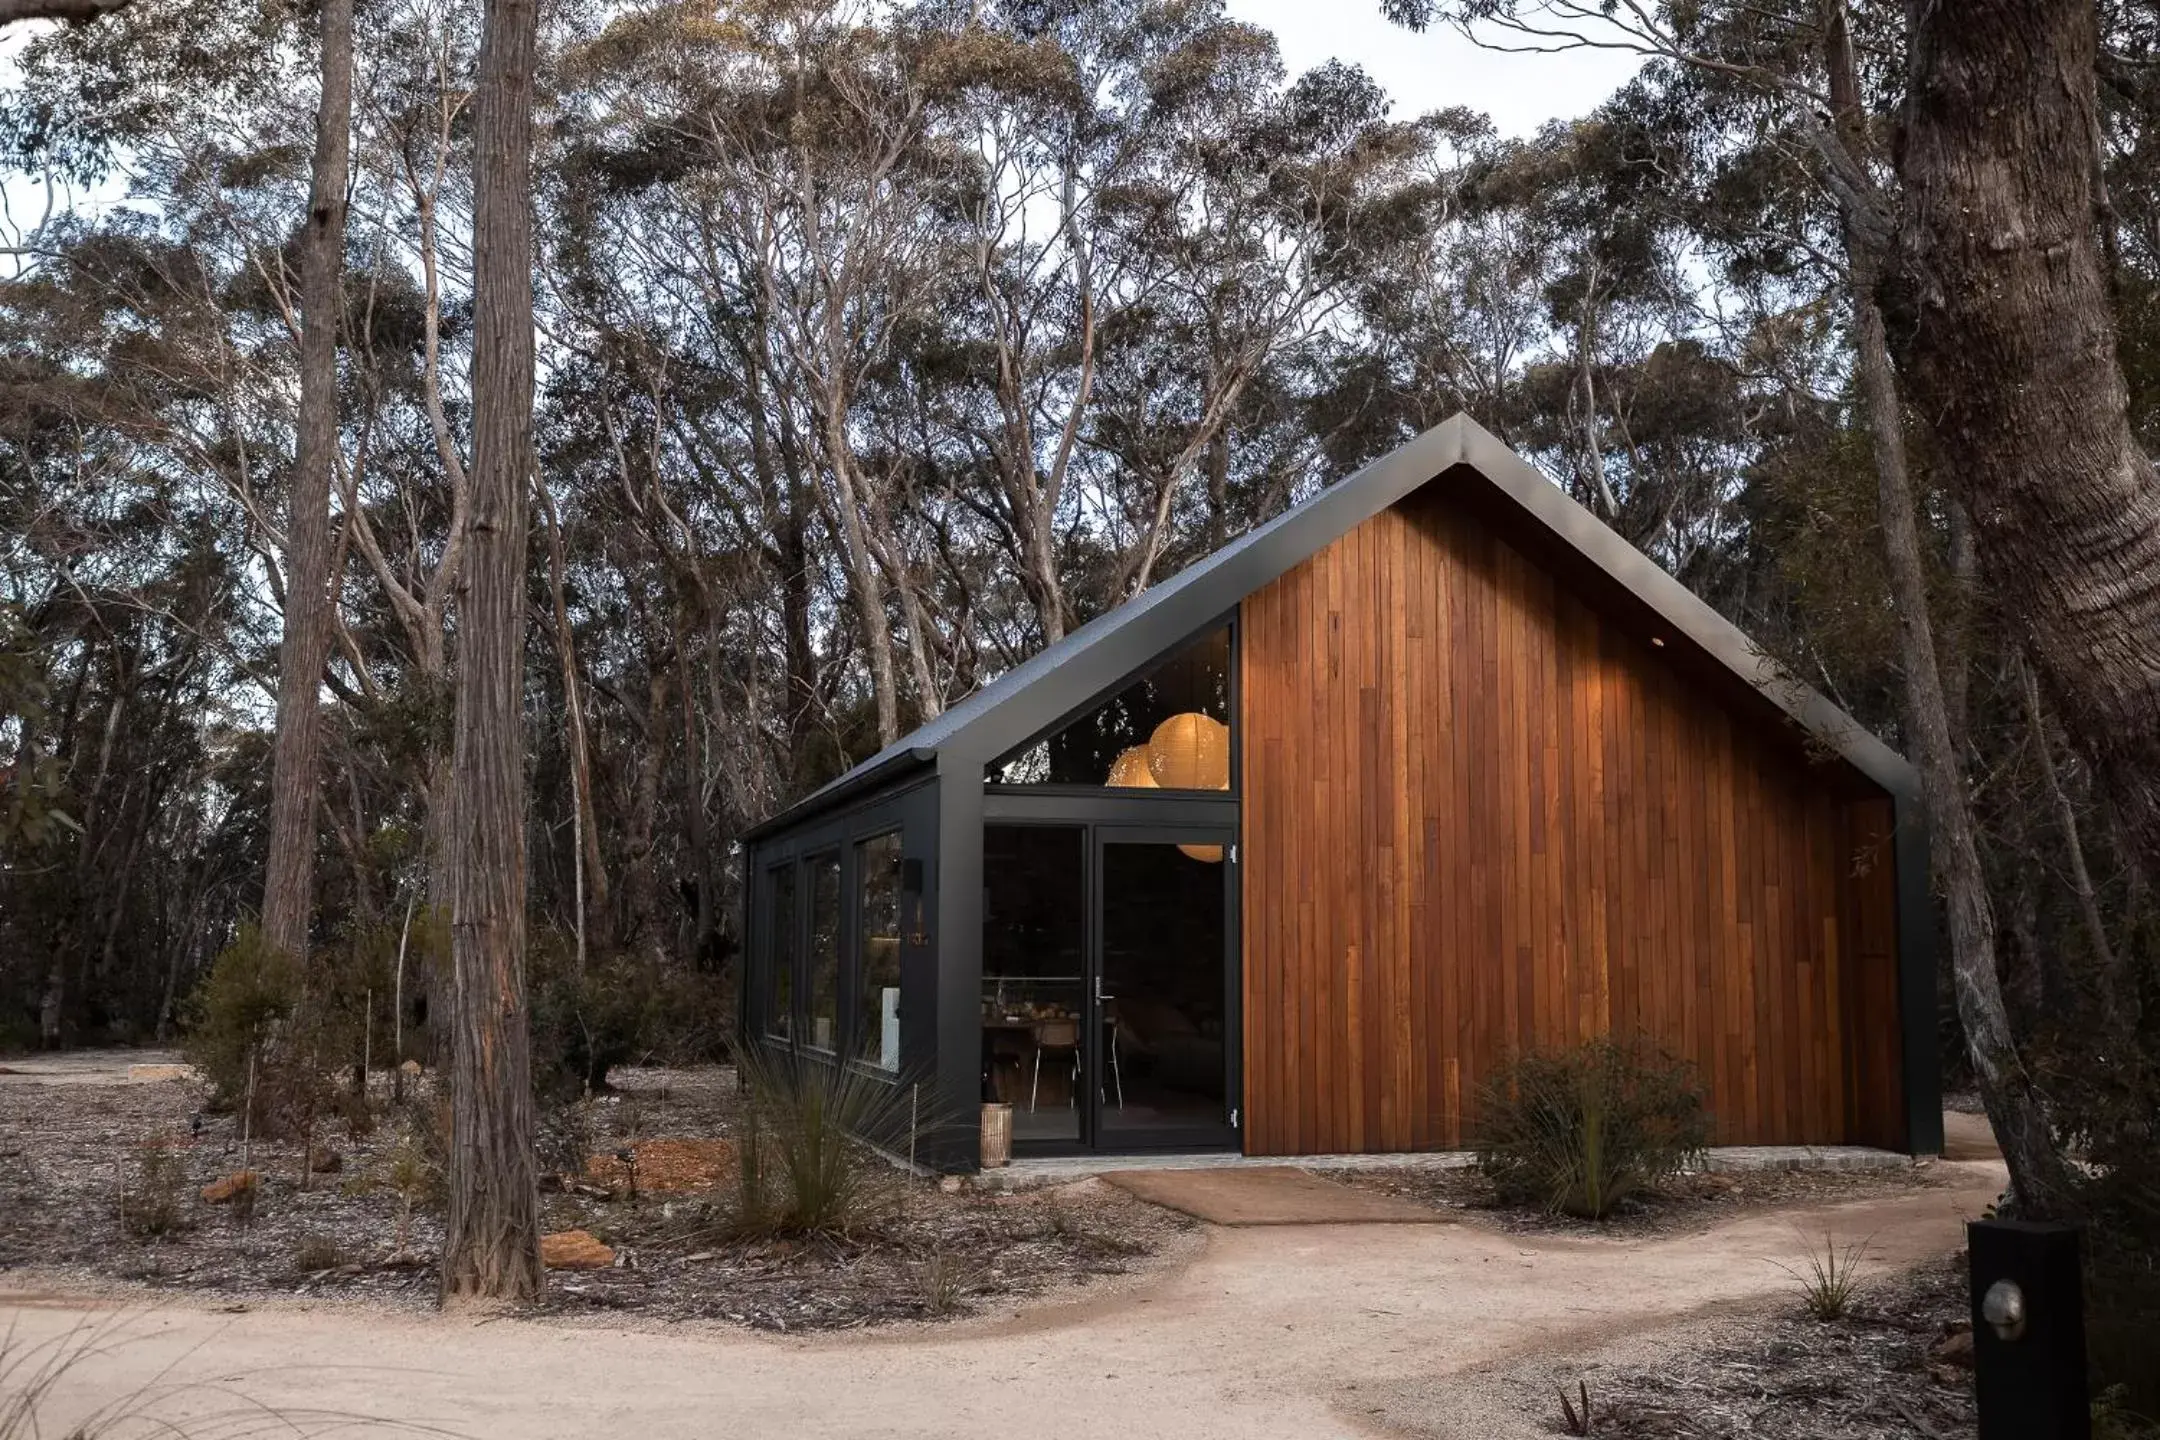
(2013,1105)
(289,879)
(491,1240)
(641,884)
(2008,344)
(699,824)
(2014,1109)
(590,871)
(2115,987)
(864,584)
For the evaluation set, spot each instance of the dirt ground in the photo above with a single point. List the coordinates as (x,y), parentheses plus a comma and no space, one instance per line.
(655,1189)
(1310,1331)
(1689,1205)
(1889,1368)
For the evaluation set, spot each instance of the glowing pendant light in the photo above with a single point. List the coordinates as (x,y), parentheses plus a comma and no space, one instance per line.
(1190,752)
(1130,770)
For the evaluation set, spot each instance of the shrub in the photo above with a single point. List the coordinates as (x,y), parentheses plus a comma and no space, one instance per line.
(803,1169)
(563,1140)
(617,1010)
(253,1028)
(1577,1131)
(2113,1419)
(1572,1420)
(154,1201)
(418,1180)
(235,1012)
(316,1253)
(247,1190)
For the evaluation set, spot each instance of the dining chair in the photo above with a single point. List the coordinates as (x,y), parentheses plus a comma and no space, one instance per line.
(1060,1035)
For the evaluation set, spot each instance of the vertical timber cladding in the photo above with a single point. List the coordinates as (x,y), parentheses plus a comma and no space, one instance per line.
(1478,818)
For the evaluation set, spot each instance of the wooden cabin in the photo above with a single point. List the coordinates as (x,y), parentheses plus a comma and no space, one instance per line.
(1287,854)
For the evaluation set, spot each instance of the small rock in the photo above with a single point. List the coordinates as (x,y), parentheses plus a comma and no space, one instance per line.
(410,1067)
(140,1074)
(1955,1348)
(327,1162)
(574,1250)
(950,1184)
(221,1192)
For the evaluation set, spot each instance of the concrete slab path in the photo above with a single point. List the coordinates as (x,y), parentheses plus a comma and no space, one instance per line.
(1269,1195)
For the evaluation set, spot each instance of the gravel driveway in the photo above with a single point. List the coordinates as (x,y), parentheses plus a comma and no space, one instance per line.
(1331,1330)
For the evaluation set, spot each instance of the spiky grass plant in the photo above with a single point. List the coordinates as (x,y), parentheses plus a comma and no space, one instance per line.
(1829,1279)
(803,1165)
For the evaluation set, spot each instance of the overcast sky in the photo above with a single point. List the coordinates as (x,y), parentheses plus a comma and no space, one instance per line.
(1439,68)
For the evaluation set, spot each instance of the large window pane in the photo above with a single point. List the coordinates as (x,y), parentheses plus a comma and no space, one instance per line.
(1034,928)
(780,955)
(1168,730)
(824,986)
(877,989)
(1164,929)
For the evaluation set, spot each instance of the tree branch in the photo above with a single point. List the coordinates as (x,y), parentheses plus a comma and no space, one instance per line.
(74,12)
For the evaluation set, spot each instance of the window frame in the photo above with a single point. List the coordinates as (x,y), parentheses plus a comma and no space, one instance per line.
(910,813)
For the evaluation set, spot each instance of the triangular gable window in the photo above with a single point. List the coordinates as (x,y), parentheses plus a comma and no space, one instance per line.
(1167,730)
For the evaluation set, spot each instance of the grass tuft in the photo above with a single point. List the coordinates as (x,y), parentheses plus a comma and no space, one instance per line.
(805,1167)
(1829,1279)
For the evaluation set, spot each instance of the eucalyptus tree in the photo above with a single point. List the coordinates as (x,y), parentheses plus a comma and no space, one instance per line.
(491,1240)
(289,879)
(1263,206)
(2012,350)
(128,640)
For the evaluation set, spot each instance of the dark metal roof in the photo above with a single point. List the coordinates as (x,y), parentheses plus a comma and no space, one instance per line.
(1101,655)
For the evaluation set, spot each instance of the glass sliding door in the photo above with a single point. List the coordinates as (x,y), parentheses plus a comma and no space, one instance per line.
(1109,1004)
(1166,1016)
(1034,1051)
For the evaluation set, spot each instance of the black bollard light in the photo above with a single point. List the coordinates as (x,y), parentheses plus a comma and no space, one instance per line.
(2028,1313)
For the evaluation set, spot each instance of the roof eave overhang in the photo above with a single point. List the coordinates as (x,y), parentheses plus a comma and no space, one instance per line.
(894,767)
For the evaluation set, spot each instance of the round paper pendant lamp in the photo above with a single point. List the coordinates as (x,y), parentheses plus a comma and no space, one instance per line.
(1210,854)
(1130,770)
(1190,752)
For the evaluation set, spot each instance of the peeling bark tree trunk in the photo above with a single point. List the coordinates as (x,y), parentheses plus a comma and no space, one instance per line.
(289,879)
(2008,344)
(491,1241)
(2013,1107)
